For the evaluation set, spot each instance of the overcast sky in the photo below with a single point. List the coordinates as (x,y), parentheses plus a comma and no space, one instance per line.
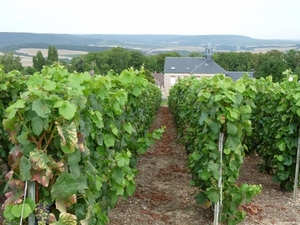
(264,19)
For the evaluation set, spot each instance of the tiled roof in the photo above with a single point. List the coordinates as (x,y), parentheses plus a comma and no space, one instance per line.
(192,65)
(182,64)
(159,78)
(198,65)
(208,67)
(237,74)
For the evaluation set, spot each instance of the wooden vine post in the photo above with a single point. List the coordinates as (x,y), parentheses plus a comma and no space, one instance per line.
(297,168)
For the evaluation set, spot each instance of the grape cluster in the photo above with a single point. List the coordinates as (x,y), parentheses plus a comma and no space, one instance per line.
(42,211)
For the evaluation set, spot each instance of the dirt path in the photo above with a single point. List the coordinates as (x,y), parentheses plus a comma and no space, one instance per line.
(164,196)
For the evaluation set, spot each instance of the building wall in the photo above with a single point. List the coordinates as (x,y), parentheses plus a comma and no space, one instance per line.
(168,77)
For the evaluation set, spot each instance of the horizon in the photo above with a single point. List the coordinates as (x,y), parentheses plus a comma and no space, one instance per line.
(258,19)
(137,34)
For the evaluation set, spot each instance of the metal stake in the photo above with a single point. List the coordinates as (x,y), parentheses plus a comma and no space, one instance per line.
(218,205)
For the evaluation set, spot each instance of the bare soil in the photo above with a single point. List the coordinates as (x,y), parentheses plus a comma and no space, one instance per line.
(164,196)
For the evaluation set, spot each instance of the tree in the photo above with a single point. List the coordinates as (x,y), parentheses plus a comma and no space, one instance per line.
(52,55)
(10,62)
(77,64)
(137,59)
(194,54)
(271,64)
(292,59)
(151,63)
(149,76)
(29,70)
(38,61)
(119,59)
(161,58)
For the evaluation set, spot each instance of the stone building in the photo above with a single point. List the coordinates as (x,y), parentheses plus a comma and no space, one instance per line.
(182,67)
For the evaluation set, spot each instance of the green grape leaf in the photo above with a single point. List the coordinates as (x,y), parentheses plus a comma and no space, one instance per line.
(75,171)
(109,140)
(49,85)
(130,188)
(218,98)
(227,151)
(203,117)
(98,183)
(214,168)
(231,128)
(65,186)
(122,159)
(97,119)
(17,210)
(76,79)
(41,108)
(12,110)
(25,167)
(120,189)
(118,175)
(35,80)
(74,158)
(205,175)
(116,107)
(234,114)
(67,110)
(37,125)
(114,129)
(240,87)
(201,198)
(23,138)
(58,103)
(136,91)
(128,128)
(31,203)
(157,133)
(7,213)
(213,195)
(125,77)
(80,212)
(215,127)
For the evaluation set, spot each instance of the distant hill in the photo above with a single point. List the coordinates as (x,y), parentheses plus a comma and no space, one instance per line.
(148,43)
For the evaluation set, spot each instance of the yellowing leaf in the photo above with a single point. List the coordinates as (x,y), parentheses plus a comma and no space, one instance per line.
(67,219)
(68,135)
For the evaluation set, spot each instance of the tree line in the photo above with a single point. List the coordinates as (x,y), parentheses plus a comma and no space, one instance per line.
(273,62)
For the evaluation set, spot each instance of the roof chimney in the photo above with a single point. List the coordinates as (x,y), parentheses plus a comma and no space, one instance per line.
(209,50)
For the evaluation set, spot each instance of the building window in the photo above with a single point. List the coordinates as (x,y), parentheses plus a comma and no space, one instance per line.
(172,81)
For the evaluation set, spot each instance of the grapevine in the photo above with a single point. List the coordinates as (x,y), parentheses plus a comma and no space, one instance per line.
(276,127)
(78,138)
(203,109)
